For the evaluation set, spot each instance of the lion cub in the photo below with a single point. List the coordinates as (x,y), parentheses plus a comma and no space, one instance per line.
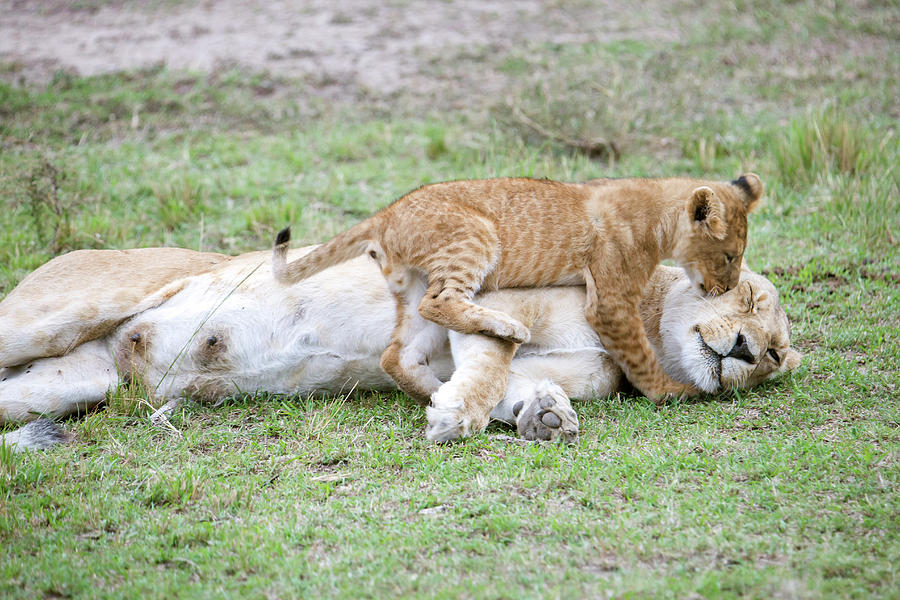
(439,245)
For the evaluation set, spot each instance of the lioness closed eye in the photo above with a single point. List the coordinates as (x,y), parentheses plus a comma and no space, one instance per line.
(440,244)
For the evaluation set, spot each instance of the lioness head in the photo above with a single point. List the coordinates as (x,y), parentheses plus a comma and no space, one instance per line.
(738,339)
(711,254)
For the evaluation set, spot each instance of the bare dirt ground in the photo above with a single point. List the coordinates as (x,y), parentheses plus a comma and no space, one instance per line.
(426,48)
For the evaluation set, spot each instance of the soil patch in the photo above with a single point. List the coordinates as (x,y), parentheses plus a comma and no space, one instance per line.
(434,49)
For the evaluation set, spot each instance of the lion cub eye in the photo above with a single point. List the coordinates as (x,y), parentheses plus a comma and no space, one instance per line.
(729,258)
(773,354)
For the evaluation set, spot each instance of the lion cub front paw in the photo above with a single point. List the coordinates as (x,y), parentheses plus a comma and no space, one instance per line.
(674,393)
(548,415)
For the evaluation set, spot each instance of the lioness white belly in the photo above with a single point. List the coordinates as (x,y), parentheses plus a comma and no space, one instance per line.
(226,333)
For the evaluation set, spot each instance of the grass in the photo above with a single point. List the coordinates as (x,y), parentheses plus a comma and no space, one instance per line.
(786,491)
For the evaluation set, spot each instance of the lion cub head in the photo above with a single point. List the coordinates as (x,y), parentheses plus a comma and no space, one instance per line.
(717,212)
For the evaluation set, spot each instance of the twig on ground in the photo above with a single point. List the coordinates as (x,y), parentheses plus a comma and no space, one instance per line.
(160,416)
(593,148)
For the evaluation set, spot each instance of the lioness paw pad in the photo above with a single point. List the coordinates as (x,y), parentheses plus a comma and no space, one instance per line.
(548,416)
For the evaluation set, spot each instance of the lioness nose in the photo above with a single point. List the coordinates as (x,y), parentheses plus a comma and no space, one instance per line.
(741,350)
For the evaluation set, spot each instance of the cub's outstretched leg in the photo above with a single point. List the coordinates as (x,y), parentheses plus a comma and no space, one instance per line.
(448,302)
(413,341)
(456,272)
(615,317)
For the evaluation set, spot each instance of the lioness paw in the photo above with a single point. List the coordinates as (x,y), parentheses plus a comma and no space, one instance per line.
(445,429)
(448,418)
(548,415)
(448,425)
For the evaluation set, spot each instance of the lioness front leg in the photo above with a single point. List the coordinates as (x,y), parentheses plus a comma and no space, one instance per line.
(462,406)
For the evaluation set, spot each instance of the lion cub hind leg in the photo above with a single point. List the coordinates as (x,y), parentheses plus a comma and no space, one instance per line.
(413,341)
(448,302)
(467,251)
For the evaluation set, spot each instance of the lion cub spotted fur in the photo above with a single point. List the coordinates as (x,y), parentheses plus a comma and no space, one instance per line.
(440,244)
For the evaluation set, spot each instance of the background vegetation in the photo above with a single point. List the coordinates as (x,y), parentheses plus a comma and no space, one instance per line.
(786,491)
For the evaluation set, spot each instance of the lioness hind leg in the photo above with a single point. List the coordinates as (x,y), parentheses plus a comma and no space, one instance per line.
(57,386)
(413,341)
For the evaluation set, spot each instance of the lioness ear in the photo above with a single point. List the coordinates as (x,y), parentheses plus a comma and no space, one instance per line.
(761,299)
(706,211)
(752,186)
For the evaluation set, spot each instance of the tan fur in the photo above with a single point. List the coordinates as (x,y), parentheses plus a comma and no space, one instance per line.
(126,283)
(440,244)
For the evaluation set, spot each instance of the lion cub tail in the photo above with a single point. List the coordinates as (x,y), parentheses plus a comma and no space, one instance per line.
(342,247)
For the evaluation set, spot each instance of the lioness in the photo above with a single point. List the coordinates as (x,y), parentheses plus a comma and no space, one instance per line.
(183,322)
(439,245)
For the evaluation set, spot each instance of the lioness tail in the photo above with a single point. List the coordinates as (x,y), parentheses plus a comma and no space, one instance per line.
(37,435)
(342,247)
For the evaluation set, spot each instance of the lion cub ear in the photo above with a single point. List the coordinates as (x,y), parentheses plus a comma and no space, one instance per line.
(706,212)
(752,186)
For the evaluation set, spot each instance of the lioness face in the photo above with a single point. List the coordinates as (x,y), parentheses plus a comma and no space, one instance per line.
(738,339)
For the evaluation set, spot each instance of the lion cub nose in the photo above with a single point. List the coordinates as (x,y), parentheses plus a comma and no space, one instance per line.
(741,350)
